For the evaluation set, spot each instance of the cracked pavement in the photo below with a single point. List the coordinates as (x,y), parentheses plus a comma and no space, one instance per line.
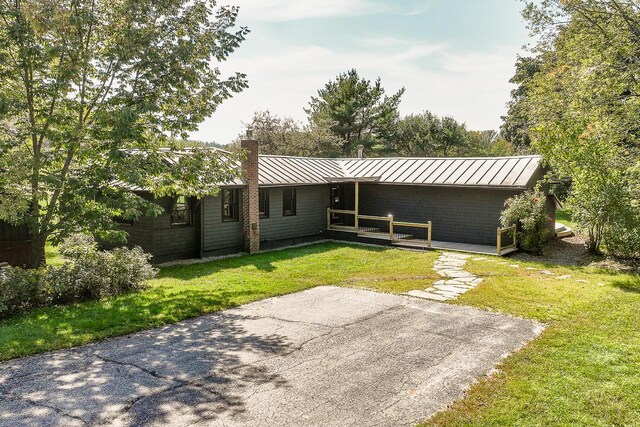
(325,356)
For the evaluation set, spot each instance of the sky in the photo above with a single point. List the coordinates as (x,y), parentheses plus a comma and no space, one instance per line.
(454,57)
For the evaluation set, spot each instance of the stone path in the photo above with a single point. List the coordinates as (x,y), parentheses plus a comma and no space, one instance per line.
(457,281)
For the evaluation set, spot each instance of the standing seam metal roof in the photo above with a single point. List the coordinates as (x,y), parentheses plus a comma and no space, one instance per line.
(498,172)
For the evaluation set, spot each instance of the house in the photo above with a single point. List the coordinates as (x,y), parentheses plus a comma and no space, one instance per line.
(15,246)
(448,203)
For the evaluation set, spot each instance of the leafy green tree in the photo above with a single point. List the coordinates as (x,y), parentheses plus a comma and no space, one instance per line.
(285,136)
(82,80)
(585,106)
(489,143)
(428,135)
(517,123)
(357,111)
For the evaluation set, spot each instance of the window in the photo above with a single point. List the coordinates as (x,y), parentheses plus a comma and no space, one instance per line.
(181,211)
(230,205)
(289,201)
(263,203)
(122,221)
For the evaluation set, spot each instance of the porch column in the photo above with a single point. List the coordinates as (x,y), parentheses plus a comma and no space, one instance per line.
(357,203)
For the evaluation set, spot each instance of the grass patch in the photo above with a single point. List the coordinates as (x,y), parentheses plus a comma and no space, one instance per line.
(182,292)
(583,370)
(564,217)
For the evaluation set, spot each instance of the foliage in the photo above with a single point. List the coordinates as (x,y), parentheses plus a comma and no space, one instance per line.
(489,143)
(74,246)
(517,123)
(529,212)
(285,136)
(586,109)
(357,111)
(88,274)
(82,80)
(429,135)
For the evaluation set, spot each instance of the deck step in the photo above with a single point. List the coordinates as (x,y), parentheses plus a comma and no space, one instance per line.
(385,236)
(411,244)
(562,230)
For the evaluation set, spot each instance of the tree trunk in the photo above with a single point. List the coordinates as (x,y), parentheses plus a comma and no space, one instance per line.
(36,254)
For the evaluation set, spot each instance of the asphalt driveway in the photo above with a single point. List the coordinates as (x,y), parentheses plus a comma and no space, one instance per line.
(323,357)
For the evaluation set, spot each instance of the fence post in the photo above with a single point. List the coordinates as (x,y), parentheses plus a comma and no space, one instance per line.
(391,227)
(429,233)
(328,218)
(499,241)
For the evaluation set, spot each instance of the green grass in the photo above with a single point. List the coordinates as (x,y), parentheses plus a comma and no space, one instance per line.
(564,217)
(181,292)
(583,370)
(52,255)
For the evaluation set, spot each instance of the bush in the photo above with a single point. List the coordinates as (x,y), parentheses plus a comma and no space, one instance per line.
(19,289)
(89,274)
(528,211)
(77,244)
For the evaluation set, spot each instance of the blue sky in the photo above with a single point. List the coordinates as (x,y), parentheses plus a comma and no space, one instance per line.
(454,57)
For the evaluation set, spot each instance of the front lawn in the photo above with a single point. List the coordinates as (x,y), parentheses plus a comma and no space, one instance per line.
(181,292)
(584,370)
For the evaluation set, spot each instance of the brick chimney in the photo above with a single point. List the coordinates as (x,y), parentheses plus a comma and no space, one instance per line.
(250,209)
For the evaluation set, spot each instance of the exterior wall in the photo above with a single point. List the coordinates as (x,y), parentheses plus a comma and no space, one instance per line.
(308,223)
(457,214)
(158,237)
(15,245)
(220,238)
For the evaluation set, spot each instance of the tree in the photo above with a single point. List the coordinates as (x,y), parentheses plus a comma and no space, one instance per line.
(517,123)
(489,143)
(585,106)
(429,135)
(89,91)
(357,111)
(287,137)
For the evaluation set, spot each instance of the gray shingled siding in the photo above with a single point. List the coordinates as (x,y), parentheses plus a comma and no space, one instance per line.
(221,237)
(158,237)
(310,219)
(457,214)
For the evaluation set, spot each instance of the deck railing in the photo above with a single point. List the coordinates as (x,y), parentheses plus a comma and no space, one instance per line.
(413,231)
(512,243)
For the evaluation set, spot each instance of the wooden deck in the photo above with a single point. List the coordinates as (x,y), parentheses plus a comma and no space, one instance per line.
(407,241)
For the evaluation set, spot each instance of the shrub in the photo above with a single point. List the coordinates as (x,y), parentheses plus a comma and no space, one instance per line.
(19,289)
(89,274)
(528,211)
(77,244)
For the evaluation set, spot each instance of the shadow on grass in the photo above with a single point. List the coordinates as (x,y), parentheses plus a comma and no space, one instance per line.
(261,261)
(630,284)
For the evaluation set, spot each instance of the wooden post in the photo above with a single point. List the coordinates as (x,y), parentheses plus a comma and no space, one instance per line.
(429,233)
(499,241)
(328,218)
(357,205)
(391,227)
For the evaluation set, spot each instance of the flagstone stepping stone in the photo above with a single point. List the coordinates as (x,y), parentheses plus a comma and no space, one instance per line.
(514,266)
(457,282)
(566,276)
(427,295)
(479,258)
(531,268)
(451,288)
(547,272)
(582,281)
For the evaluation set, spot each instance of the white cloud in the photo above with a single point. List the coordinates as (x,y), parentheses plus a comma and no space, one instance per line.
(291,10)
(470,86)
